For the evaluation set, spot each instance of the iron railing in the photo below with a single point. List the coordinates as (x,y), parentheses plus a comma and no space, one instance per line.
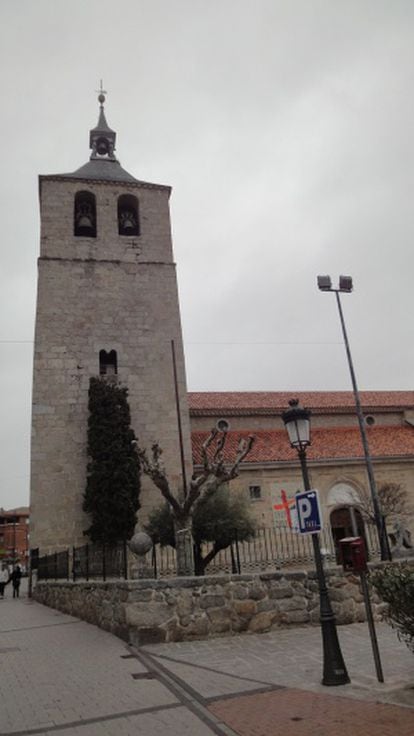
(100,561)
(270,549)
(54,566)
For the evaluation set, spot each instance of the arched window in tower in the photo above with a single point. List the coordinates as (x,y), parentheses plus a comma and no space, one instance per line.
(108,364)
(128,219)
(85,215)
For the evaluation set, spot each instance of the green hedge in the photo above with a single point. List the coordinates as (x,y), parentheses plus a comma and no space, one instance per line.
(395,585)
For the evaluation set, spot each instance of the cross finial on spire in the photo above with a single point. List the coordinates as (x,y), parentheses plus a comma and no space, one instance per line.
(102,93)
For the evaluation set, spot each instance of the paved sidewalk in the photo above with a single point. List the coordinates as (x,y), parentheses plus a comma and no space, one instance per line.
(61,676)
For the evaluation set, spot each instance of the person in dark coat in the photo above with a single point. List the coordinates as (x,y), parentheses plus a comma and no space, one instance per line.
(16,577)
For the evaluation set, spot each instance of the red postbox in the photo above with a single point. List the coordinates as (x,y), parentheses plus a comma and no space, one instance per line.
(353,554)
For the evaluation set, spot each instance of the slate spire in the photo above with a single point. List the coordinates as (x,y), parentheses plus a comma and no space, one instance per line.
(102,138)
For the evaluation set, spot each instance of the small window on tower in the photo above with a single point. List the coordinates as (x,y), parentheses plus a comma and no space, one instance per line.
(255,493)
(128,220)
(85,215)
(108,363)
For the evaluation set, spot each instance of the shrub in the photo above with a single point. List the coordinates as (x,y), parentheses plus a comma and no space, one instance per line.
(113,481)
(395,585)
(220,519)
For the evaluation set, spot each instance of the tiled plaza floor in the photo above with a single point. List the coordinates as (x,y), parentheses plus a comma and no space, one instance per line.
(61,676)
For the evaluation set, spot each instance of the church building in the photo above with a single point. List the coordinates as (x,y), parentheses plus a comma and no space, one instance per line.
(107,305)
(335,455)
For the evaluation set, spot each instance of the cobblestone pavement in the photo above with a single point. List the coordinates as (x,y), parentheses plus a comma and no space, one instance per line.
(61,676)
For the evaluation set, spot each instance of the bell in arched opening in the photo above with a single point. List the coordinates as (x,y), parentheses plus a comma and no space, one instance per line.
(85,215)
(128,222)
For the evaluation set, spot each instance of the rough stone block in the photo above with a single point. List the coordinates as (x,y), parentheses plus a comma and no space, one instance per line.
(220,620)
(141,615)
(262,621)
(212,601)
(245,607)
(284,591)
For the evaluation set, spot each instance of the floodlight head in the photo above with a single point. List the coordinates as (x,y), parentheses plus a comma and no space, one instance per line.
(345,283)
(324,283)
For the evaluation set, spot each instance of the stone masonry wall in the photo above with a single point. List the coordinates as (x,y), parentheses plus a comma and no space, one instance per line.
(106,293)
(145,611)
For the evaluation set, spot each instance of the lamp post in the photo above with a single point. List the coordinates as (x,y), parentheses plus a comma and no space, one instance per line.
(14,542)
(345,287)
(297,423)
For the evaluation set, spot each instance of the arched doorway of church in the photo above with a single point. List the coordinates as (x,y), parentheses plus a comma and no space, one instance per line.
(344,516)
(344,521)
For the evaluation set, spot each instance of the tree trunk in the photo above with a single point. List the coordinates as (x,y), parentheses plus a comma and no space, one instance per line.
(199,563)
(184,547)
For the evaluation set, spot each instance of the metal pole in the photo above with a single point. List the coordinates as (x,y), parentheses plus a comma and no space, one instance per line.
(368,608)
(238,554)
(154,560)
(14,543)
(103,562)
(371,626)
(180,429)
(334,669)
(233,560)
(379,519)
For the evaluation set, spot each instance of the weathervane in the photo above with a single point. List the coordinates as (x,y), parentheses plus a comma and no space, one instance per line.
(102,93)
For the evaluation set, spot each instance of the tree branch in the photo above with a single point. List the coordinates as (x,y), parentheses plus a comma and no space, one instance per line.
(201,486)
(154,469)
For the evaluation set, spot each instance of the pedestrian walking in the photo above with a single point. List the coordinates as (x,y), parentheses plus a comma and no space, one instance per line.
(15,577)
(4,579)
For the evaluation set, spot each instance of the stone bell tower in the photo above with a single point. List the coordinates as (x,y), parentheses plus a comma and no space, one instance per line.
(107,303)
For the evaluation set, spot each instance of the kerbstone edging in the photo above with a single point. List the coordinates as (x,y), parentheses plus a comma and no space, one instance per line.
(143,611)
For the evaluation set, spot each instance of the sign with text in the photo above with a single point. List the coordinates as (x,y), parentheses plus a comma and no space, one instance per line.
(308,512)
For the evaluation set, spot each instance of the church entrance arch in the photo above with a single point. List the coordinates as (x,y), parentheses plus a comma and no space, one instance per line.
(344,515)
(342,526)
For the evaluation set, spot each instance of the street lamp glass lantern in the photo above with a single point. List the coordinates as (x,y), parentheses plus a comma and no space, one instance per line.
(297,423)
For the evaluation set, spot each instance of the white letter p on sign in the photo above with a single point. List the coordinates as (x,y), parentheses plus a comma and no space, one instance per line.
(305,510)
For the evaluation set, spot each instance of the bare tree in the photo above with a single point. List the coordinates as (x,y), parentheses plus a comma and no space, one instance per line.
(393,501)
(215,472)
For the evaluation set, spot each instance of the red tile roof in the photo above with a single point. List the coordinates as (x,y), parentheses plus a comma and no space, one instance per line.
(212,403)
(326,444)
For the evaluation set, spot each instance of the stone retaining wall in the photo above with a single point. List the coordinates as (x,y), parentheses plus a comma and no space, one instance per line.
(143,611)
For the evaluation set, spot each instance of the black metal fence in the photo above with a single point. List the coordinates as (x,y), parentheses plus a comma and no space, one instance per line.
(270,549)
(100,561)
(55,566)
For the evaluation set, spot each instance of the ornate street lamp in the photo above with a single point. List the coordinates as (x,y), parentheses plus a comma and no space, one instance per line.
(297,423)
(345,287)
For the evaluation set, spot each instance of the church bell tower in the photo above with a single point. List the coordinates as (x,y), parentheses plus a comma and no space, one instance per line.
(107,304)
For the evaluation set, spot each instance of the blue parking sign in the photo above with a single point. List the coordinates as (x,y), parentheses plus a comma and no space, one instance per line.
(308,512)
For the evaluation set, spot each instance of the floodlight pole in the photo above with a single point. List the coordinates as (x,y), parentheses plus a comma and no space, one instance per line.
(379,519)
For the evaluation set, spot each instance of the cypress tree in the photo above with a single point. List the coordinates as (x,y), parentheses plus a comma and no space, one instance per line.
(113,471)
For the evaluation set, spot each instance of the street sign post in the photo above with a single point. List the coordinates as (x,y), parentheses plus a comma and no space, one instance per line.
(308,512)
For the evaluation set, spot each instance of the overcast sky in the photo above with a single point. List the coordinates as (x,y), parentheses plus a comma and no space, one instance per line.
(285,129)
